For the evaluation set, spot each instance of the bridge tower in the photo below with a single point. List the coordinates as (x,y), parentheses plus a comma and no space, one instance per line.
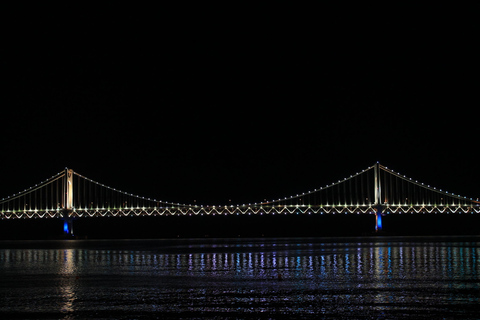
(378,198)
(67,203)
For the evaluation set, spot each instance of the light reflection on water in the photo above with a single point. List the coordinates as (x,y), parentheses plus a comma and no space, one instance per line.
(384,277)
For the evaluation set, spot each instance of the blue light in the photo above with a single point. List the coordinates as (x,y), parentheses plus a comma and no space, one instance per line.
(65,227)
(378,227)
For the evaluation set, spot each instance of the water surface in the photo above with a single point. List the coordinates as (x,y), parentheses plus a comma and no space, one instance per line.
(372,278)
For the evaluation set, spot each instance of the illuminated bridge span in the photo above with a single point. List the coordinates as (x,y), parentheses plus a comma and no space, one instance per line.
(376,190)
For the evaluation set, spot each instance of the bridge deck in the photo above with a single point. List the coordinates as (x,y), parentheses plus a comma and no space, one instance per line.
(239,210)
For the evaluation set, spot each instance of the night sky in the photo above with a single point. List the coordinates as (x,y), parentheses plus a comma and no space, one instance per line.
(238,103)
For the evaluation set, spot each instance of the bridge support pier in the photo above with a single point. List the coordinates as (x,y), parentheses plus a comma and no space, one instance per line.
(68,227)
(378,198)
(68,203)
(378,219)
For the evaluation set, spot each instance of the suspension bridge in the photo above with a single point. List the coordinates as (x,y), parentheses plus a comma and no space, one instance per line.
(376,190)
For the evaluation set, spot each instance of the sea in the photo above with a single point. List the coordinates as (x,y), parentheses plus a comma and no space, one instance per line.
(238,278)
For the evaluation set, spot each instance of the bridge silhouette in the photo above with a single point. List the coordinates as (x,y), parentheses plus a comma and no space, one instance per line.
(377,190)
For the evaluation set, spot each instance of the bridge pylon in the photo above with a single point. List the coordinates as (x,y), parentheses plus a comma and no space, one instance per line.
(67,203)
(378,198)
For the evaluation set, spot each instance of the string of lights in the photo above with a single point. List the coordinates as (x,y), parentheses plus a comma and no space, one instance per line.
(153,201)
(319,189)
(428,187)
(34,187)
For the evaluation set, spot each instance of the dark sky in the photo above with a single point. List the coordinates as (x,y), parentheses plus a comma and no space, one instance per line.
(241,103)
